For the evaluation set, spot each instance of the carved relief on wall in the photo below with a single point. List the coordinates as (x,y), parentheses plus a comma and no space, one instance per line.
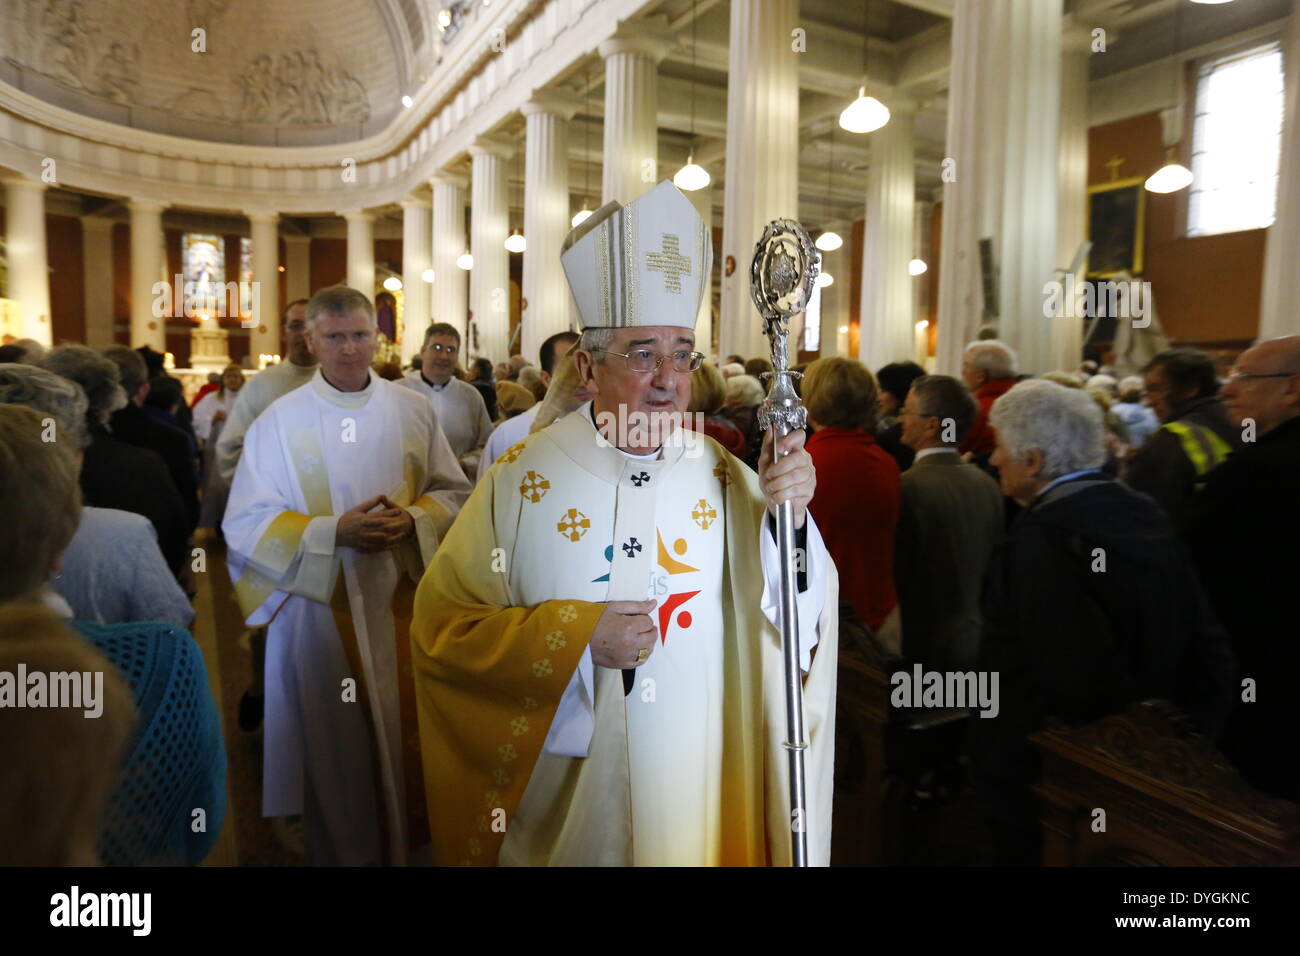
(269,77)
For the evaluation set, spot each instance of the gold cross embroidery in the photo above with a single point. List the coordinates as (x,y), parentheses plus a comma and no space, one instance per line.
(670,262)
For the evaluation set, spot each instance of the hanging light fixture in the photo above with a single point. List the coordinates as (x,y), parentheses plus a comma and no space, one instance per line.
(692,176)
(427,275)
(584,212)
(865,114)
(824,279)
(1173,175)
(515,242)
(465,261)
(393,284)
(917,267)
(829,240)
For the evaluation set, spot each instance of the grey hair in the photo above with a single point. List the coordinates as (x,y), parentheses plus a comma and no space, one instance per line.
(1063,424)
(996,358)
(945,398)
(52,394)
(1130,388)
(743,390)
(593,340)
(339,300)
(98,376)
(1106,382)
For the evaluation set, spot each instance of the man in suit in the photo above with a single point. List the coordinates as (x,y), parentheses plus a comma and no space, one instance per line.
(949,525)
(1243,531)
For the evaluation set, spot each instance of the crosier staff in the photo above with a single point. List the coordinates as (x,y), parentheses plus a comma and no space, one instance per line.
(781,280)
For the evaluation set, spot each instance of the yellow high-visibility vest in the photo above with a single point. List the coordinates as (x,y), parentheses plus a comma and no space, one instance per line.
(1203,448)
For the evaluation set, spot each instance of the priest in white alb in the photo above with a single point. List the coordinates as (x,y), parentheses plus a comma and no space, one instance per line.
(597,663)
(343,492)
(460,408)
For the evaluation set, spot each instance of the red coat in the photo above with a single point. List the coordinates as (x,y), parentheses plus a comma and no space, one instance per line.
(980,439)
(856,509)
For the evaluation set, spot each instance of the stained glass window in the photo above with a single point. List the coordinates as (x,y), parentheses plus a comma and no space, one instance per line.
(245,276)
(203,259)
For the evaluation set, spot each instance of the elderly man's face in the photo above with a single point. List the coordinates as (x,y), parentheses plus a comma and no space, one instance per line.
(1260,389)
(1019,479)
(618,389)
(972,376)
(438,358)
(916,427)
(295,336)
(345,346)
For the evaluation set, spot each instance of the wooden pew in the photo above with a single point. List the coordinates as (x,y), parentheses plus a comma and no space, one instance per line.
(1170,798)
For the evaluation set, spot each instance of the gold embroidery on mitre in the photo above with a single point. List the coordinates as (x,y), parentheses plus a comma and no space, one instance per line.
(670,262)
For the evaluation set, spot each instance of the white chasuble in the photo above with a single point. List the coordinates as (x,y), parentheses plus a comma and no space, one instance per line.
(687,768)
(335,652)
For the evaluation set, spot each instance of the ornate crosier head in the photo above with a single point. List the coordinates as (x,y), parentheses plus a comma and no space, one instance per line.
(781,280)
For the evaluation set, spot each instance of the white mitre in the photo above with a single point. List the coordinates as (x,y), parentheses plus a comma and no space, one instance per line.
(646,263)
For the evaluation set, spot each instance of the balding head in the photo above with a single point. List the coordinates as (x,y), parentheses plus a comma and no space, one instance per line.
(1265,384)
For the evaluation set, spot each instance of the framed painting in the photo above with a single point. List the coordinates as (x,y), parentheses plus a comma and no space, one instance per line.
(1117,227)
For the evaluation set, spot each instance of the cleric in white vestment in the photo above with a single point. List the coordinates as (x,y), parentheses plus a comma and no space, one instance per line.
(597,663)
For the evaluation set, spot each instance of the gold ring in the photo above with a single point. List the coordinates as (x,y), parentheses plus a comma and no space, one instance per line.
(642,654)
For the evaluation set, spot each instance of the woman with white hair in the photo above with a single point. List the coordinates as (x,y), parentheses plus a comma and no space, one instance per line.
(1133,411)
(743,395)
(1091,604)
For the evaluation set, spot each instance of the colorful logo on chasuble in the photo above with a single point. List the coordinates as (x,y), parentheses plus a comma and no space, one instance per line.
(672,601)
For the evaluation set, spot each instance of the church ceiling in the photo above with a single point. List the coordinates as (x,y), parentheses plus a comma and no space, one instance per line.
(289,72)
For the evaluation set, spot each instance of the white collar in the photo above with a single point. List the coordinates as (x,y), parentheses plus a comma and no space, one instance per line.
(344,399)
(936,450)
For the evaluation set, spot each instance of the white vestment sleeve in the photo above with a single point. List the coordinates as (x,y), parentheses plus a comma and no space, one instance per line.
(811,600)
(575,718)
(446,484)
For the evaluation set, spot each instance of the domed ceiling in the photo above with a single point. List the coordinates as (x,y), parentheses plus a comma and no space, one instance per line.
(289,72)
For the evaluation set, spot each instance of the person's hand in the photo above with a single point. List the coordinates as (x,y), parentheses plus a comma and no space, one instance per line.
(624,629)
(789,478)
(371,533)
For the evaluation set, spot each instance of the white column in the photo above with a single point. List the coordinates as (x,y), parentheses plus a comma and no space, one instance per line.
(762,171)
(631,164)
(146,269)
(887,331)
(921,283)
(416,223)
(546,219)
(1072,190)
(1278,314)
(29,270)
(489,281)
(264,332)
(449,280)
(1006,62)
(835,297)
(297,268)
(702,200)
(97,278)
(361,251)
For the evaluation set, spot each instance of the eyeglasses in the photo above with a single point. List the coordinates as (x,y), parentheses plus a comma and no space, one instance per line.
(644,360)
(449,349)
(1235,376)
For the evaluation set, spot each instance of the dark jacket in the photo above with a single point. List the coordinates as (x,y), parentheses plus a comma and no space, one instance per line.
(117,475)
(950,523)
(134,426)
(487,388)
(1161,468)
(1074,642)
(1243,532)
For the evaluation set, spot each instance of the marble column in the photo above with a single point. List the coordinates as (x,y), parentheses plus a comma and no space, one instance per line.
(631,165)
(416,223)
(146,269)
(29,270)
(702,200)
(1072,189)
(1006,76)
(887,331)
(97,278)
(361,251)
(762,168)
(489,280)
(546,218)
(1278,314)
(264,323)
(449,280)
(297,268)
